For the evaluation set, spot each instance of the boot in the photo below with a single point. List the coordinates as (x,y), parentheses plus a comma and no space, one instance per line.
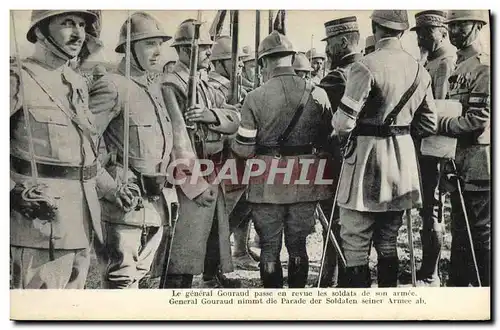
(179,281)
(330,275)
(428,274)
(241,257)
(219,280)
(355,277)
(459,264)
(484,265)
(387,275)
(297,272)
(271,275)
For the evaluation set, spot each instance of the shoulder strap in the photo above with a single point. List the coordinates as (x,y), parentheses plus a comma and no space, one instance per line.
(71,115)
(404,99)
(298,113)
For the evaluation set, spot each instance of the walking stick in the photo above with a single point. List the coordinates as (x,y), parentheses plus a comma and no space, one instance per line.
(466,218)
(330,222)
(412,252)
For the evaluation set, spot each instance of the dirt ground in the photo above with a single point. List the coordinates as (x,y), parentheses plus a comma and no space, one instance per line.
(251,279)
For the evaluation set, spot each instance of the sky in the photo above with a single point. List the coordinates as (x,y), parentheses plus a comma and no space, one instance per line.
(304,27)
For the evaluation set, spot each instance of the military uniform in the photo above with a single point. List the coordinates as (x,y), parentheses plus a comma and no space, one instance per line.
(200,230)
(380,177)
(470,84)
(54,254)
(282,207)
(440,65)
(313,54)
(132,238)
(334,85)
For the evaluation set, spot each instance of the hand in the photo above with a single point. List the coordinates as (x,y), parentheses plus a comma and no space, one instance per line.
(205,198)
(33,202)
(198,113)
(128,197)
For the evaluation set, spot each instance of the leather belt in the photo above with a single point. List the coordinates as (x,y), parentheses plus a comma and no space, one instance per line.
(140,176)
(381,130)
(285,150)
(23,167)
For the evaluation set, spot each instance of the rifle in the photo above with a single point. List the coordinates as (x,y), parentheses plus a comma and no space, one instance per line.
(256,78)
(270,19)
(234,95)
(195,132)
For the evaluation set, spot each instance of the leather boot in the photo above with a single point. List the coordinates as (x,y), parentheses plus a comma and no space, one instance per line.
(271,275)
(483,257)
(355,277)
(428,274)
(387,275)
(330,275)
(298,269)
(179,281)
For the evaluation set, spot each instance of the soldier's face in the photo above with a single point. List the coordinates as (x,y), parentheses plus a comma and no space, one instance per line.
(68,32)
(249,68)
(228,64)
(317,64)
(429,38)
(148,52)
(463,33)
(301,74)
(204,52)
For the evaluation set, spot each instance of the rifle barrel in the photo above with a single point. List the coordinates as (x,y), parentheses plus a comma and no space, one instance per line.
(257,43)
(234,57)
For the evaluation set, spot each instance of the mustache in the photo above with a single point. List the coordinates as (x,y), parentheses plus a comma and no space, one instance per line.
(74,40)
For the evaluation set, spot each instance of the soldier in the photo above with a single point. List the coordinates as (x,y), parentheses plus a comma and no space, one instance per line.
(266,115)
(386,92)
(248,72)
(369,45)
(302,66)
(168,67)
(220,77)
(342,37)
(470,84)
(49,243)
(236,204)
(317,61)
(132,238)
(200,230)
(432,36)
(98,72)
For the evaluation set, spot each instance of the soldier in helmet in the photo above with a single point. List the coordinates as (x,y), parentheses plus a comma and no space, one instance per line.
(302,66)
(98,72)
(432,36)
(342,37)
(220,76)
(386,92)
(470,85)
(52,219)
(317,62)
(268,133)
(237,207)
(168,67)
(156,137)
(369,45)
(248,71)
(202,227)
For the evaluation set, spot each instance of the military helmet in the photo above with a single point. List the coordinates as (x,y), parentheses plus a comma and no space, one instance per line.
(185,34)
(391,19)
(142,26)
(99,70)
(313,53)
(468,15)
(38,16)
(221,50)
(248,53)
(275,43)
(301,62)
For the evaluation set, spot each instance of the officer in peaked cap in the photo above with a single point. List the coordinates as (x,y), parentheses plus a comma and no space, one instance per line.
(470,85)
(342,37)
(380,177)
(266,114)
(52,223)
(302,66)
(433,40)
(369,45)
(317,60)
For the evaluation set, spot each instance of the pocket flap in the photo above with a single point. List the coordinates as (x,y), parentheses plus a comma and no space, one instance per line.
(49,116)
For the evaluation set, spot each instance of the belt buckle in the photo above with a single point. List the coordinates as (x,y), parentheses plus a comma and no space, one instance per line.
(277,155)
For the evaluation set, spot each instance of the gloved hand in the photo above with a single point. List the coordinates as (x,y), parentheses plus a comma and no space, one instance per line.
(128,197)
(33,202)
